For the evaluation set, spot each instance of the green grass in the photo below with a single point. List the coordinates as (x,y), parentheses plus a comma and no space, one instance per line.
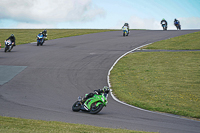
(161,81)
(24,36)
(184,42)
(18,125)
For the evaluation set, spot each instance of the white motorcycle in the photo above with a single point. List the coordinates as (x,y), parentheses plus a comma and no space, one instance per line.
(164,25)
(8,45)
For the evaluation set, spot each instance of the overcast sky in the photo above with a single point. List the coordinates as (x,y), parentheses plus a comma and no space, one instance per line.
(98,14)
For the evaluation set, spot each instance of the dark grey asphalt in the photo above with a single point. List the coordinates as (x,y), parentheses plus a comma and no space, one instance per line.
(63,69)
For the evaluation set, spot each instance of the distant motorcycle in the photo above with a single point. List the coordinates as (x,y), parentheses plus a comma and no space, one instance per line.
(125,31)
(92,105)
(164,25)
(40,39)
(8,46)
(178,26)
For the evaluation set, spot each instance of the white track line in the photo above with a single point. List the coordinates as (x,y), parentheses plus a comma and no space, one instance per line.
(108,78)
(108,81)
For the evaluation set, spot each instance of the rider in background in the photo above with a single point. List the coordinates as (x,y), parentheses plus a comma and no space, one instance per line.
(125,28)
(176,22)
(127,25)
(163,20)
(12,39)
(45,34)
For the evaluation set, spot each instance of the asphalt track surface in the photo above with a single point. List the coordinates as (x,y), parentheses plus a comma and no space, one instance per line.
(55,74)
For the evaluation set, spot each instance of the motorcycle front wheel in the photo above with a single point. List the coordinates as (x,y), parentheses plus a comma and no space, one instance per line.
(96,109)
(76,106)
(6,48)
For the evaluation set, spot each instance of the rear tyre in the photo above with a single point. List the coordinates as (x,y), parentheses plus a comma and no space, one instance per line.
(76,106)
(10,49)
(94,109)
(42,42)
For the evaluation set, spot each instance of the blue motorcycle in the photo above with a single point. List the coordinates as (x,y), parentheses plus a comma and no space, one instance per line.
(40,39)
(178,26)
(8,46)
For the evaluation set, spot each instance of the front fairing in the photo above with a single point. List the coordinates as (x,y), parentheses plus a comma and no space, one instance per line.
(164,25)
(125,31)
(96,99)
(8,43)
(40,37)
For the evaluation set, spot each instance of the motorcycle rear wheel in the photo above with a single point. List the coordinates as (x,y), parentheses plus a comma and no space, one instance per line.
(95,110)
(10,49)
(76,106)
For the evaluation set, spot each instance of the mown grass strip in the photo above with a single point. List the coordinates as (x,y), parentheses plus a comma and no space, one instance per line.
(18,125)
(24,36)
(161,81)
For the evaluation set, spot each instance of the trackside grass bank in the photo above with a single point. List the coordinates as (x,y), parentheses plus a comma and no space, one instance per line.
(184,42)
(161,81)
(18,125)
(24,36)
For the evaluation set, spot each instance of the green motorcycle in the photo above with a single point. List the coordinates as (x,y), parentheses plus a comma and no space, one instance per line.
(93,104)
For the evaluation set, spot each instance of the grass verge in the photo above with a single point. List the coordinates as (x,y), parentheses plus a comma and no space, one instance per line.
(24,36)
(184,42)
(161,81)
(18,125)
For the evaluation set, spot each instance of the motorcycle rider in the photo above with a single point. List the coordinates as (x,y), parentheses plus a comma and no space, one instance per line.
(12,39)
(126,24)
(44,34)
(176,22)
(105,89)
(125,28)
(165,22)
